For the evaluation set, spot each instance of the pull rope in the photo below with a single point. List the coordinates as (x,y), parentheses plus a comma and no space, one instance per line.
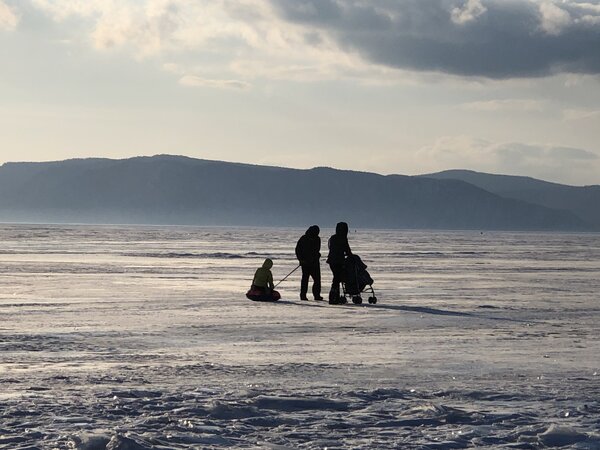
(286,277)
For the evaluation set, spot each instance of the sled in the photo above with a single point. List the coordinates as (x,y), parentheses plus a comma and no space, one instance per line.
(257,295)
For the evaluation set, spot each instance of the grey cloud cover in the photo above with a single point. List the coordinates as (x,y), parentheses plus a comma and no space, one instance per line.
(489,38)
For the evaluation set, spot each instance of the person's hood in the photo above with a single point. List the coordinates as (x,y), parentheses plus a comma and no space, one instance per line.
(313,231)
(341,229)
(267,264)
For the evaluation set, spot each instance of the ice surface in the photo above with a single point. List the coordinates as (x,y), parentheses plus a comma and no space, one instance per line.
(141,338)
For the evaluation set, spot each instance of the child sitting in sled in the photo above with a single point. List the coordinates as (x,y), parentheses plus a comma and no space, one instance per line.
(263,289)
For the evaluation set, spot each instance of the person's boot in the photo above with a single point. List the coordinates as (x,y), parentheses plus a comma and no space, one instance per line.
(303,297)
(333,297)
(318,298)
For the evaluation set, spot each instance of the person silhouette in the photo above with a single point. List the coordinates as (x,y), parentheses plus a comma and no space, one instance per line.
(263,278)
(308,253)
(262,289)
(339,249)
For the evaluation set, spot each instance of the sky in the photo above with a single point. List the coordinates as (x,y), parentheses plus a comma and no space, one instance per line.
(389,86)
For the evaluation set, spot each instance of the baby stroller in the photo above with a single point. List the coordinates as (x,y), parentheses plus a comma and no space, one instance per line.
(357,280)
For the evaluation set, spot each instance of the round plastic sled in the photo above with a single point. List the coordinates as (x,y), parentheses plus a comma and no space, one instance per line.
(260,296)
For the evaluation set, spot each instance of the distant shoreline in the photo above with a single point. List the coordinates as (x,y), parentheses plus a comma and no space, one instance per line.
(296,228)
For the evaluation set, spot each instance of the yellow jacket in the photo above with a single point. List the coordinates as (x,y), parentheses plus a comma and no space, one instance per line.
(263,277)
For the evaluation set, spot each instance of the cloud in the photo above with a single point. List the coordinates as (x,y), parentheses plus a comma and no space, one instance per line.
(219,35)
(8,17)
(554,18)
(548,162)
(488,38)
(196,81)
(505,105)
(580,114)
(470,11)
(333,39)
(147,27)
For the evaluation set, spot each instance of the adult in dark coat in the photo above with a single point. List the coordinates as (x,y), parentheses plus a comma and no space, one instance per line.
(308,253)
(338,250)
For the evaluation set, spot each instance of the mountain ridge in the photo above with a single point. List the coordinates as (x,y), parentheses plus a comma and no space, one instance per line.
(169,189)
(583,201)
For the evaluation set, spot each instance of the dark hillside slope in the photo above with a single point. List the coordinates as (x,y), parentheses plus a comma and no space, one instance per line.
(584,201)
(178,190)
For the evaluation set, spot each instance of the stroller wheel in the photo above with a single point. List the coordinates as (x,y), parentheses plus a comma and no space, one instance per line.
(342,300)
(372,300)
(357,300)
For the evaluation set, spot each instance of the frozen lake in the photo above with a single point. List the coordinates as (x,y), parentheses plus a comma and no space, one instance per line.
(141,337)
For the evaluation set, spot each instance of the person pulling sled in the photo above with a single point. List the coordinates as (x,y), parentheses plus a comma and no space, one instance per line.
(308,253)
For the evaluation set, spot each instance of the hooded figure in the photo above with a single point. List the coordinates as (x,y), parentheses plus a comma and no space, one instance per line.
(339,249)
(308,253)
(263,278)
